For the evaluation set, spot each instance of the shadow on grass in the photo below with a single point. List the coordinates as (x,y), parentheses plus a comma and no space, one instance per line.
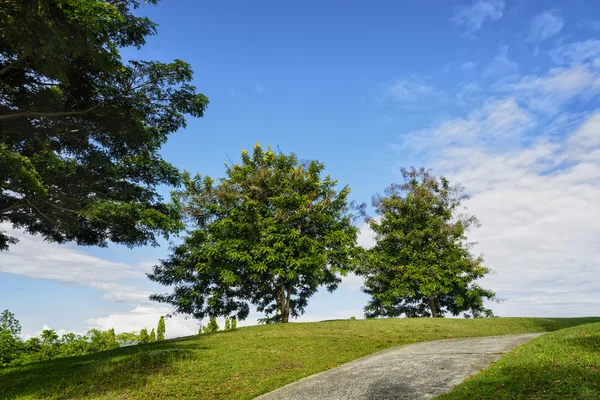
(97,374)
(553,324)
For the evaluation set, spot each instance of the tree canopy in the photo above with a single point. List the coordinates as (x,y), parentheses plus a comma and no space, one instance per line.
(269,234)
(421,264)
(80,129)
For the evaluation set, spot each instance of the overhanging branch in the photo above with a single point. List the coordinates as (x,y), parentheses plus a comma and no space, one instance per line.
(37,114)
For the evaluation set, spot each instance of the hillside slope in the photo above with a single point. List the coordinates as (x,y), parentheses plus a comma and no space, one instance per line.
(244,363)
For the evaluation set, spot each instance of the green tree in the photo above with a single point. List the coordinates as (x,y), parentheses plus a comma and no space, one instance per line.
(152,336)
(110,339)
(212,326)
(233,323)
(227,324)
(144,337)
(270,234)
(161,329)
(127,338)
(49,337)
(421,264)
(10,343)
(80,129)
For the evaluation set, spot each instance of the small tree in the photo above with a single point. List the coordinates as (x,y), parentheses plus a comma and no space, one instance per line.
(270,234)
(161,329)
(10,343)
(212,326)
(152,336)
(233,322)
(144,337)
(421,264)
(227,324)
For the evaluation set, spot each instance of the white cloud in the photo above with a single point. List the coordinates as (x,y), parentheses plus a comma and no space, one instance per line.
(472,17)
(534,176)
(145,317)
(408,91)
(577,52)
(545,25)
(33,257)
(551,91)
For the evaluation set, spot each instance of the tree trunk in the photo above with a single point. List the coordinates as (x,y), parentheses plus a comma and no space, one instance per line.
(432,307)
(284,300)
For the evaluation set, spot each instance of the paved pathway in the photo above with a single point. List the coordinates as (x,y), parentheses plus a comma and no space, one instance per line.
(415,371)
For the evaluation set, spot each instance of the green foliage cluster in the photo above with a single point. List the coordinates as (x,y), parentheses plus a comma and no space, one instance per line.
(268,234)
(211,327)
(80,129)
(161,329)
(144,337)
(274,230)
(421,265)
(49,346)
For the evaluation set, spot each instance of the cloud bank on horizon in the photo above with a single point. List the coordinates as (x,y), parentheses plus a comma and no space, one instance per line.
(524,141)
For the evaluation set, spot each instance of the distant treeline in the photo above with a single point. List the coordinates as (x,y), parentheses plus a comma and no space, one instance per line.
(49,345)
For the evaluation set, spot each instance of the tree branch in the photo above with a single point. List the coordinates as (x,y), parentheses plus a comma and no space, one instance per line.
(11,207)
(36,114)
(41,213)
(13,64)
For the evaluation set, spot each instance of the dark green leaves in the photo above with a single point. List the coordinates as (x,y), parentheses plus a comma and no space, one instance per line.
(421,264)
(80,130)
(268,234)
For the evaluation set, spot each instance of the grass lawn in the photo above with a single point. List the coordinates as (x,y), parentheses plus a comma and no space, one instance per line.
(245,363)
(559,365)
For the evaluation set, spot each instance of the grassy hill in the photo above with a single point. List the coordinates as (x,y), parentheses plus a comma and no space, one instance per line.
(244,363)
(560,365)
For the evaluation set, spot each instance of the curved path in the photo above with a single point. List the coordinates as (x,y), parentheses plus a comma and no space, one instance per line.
(415,371)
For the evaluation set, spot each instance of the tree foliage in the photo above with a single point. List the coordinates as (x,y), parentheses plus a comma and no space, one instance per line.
(212,326)
(270,234)
(144,337)
(80,130)
(161,329)
(10,328)
(14,351)
(421,264)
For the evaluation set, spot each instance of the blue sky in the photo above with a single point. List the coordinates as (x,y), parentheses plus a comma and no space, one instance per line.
(499,95)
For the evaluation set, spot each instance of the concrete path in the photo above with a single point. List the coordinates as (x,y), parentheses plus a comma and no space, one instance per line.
(415,371)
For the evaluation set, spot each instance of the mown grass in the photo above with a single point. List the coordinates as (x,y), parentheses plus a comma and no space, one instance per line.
(241,364)
(558,365)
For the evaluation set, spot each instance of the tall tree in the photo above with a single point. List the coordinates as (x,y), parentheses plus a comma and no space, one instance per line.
(10,343)
(421,264)
(161,329)
(152,336)
(269,234)
(80,130)
(144,337)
